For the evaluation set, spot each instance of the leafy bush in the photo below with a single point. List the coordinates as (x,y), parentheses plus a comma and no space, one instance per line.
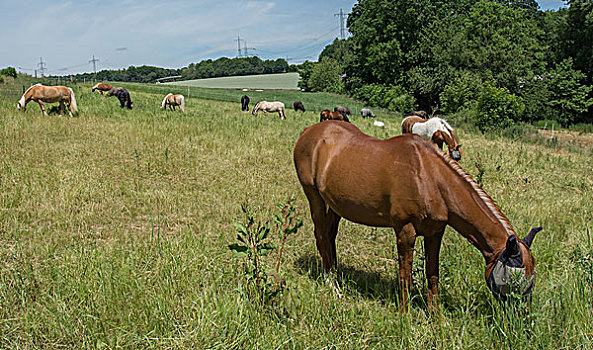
(461,93)
(326,76)
(9,72)
(498,108)
(394,98)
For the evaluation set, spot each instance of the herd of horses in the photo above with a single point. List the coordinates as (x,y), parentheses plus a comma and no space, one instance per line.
(65,96)
(405,182)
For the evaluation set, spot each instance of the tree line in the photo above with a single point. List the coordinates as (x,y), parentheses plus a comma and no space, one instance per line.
(498,61)
(221,67)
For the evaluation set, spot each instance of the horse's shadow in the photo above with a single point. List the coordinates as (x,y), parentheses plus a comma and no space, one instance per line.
(370,285)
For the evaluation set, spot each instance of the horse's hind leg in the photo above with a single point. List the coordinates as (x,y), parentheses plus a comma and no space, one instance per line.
(61,108)
(406,238)
(326,223)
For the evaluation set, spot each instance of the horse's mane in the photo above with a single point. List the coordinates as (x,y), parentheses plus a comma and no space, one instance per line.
(488,201)
(165,100)
(32,86)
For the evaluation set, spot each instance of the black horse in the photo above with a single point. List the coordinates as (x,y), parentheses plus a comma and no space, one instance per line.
(298,106)
(245,103)
(122,95)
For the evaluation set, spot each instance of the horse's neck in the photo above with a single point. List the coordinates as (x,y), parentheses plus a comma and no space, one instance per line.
(473,214)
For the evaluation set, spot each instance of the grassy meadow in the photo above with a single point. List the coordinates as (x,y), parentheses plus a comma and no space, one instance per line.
(115,226)
(286,81)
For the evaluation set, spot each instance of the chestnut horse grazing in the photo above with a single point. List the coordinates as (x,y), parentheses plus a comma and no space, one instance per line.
(270,107)
(435,129)
(49,94)
(326,114)
(406,183)
(172,101)
(298,106)
(101,87)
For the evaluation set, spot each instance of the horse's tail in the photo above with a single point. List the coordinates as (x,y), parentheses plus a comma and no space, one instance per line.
(182,105)
(73,106)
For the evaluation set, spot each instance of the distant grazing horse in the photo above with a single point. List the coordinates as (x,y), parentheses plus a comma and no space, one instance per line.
(344,110)
(122,95)
(421,114)
(49,94)
(172,101)
(326,114)
(270,107)
(101,87)
(298,106)
(367,113)
(435,129)
(245,103)
(405,183)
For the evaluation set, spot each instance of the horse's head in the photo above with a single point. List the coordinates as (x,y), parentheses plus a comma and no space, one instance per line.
(255,109)
(514,270)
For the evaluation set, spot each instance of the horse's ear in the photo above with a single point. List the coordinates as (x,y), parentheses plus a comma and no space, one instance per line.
(512,247)
(530,236)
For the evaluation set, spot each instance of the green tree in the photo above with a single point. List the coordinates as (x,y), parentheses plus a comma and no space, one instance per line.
(569,97)
(327,77)
(576,36)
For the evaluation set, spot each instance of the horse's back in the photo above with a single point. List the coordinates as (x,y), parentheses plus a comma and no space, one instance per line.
(364,179)
(408,123)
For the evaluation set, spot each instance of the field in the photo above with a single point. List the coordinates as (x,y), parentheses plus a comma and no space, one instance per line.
(283,81)
(115,226)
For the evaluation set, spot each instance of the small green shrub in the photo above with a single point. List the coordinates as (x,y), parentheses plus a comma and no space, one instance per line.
(394,98)
(461,93)
(498,108)
(254,243)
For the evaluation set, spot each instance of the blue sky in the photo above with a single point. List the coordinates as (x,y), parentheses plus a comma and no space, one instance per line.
(170,33)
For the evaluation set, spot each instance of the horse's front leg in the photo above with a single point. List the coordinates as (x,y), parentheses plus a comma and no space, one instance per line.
(432,246)
(406,238)
(42,108)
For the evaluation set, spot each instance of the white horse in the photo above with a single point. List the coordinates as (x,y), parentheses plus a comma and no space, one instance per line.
(271,107)
(172,101)
(435,129)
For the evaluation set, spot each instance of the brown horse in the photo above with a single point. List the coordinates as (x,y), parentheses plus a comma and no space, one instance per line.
(172,101)
(49,94)
(435,129)
(407,184)
(101,87)
(326,114)
(344,110)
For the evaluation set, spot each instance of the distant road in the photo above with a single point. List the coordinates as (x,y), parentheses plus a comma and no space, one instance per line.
(283,81)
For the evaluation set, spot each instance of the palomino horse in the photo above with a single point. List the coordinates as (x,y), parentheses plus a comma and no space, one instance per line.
(298,106)
(271,107)
(326,114)
(49,94)
(407,184)
(245,103)
(435,129)
(172,101)
(101,87)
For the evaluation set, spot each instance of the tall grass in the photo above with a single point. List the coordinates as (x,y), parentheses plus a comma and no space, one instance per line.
(114,228)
